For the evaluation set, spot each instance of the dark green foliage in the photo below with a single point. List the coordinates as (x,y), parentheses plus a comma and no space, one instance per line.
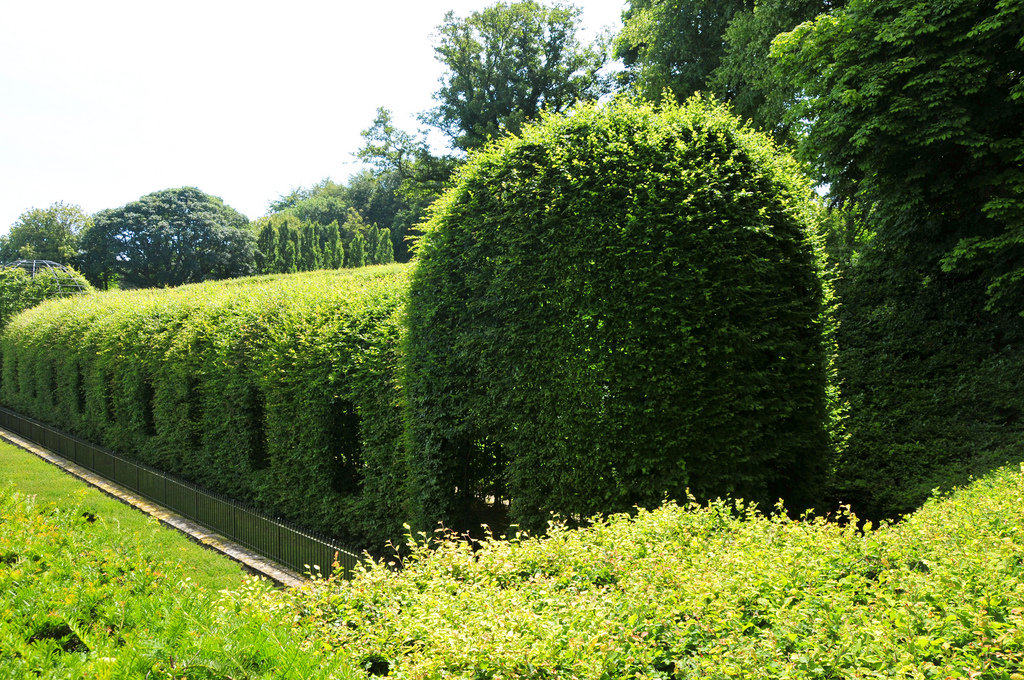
(168,238)
(674,45)
(277,390)
(935,387)
(748,78)
(616,306)
(915,119)
(917,111)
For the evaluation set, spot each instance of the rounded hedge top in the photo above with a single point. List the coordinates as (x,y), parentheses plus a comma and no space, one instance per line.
(617,305)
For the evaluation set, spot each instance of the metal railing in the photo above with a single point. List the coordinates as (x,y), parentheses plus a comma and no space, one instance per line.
(299,549)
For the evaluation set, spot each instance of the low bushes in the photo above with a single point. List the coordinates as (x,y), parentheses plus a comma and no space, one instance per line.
(700,591)
(277,390)
(614,307)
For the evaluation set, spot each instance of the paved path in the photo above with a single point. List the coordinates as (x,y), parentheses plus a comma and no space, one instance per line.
(213,540)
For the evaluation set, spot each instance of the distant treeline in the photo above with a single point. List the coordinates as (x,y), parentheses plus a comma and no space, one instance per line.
(287,244)
(178,236)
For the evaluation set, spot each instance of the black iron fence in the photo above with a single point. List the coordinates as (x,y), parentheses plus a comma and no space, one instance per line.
(300,549)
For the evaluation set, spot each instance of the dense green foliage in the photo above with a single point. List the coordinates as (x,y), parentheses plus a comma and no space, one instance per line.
(674,45)
(917,111)
(287,244)
(406,177)
(507,63)
(168,238)
(276,390)
(748,79)
(615,306)
(701,592)
(913,116)
(85,596)
(19,290)
(935,386)
(45,234)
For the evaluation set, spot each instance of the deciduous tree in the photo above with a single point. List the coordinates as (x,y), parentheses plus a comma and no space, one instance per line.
(507,63)
(168,238)
(917,110)
(45,234)
(674,45)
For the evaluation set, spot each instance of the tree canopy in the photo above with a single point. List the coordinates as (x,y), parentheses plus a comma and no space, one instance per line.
(168,238)
(745,75)
(406,177)
(673,45)
(507,63)
(917,111)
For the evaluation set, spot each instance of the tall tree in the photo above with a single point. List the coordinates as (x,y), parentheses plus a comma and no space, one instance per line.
(405,179)
(45,234)
(747,77)
(168,238)
(507,63)
(917,110)
(674,45)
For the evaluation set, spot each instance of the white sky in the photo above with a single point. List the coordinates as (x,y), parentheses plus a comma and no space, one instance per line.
(104,101)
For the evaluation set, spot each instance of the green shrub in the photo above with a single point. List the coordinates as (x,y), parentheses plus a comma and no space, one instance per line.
(279,390)
(19,290)
(613,307)
(700,592)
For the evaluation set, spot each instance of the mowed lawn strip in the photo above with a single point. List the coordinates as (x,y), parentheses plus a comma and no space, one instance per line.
(91,589)
(31,475)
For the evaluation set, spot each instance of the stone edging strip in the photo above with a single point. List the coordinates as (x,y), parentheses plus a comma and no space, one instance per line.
(211,539)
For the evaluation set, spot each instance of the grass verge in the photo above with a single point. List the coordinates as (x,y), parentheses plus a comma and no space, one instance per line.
(86,596)
(31,475)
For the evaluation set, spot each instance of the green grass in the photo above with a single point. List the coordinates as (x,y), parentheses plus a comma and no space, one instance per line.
(86,592)
(30,475)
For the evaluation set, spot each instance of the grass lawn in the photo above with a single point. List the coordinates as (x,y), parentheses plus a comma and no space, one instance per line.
(33,476)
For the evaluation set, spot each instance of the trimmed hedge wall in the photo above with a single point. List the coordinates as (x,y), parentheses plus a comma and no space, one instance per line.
(934,382)
(279,390)
(615,306)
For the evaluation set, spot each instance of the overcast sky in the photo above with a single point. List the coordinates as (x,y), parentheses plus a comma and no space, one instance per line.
(105,101)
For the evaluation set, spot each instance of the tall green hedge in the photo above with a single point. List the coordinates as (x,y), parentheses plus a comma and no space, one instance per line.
(280,390)
(934,382)
(615,306)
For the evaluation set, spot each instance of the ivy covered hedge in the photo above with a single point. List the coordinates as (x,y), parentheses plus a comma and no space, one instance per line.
(615,306)
(279,390)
